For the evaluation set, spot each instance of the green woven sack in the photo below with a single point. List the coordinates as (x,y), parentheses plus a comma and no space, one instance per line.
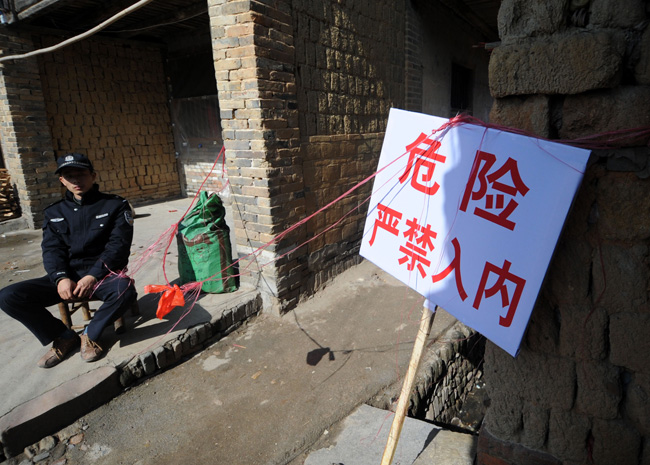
(204,248)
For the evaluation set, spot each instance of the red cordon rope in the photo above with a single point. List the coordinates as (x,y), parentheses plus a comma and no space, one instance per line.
(174,295)
(601,141)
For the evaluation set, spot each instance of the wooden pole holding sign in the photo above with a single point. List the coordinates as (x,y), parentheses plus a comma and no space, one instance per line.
(405,395)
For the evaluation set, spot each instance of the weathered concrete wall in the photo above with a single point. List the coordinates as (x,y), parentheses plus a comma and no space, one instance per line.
(578,391)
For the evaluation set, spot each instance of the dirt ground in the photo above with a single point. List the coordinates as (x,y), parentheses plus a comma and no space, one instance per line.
(267,392)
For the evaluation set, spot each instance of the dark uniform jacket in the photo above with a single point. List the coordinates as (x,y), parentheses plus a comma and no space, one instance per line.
(92,236)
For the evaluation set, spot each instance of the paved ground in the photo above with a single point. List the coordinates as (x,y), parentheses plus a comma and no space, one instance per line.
(20,258)
(265,394)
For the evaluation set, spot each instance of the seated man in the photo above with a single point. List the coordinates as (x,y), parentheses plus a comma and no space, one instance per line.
(86,243)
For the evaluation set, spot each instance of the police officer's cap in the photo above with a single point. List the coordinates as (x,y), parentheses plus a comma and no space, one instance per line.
(73,160)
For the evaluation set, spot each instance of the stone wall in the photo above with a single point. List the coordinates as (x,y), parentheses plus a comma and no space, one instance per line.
(444,397)
(578,391)
(108,99)
(450,369)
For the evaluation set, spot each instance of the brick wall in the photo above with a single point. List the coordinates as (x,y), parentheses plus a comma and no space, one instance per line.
(332,166)
(24,133)
(578,391)
(288,71)
(350,71)
(350,65)
(108,99)
(413,59)
(199,166)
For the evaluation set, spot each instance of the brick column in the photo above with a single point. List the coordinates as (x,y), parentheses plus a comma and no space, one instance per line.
(254,65)
(24,133)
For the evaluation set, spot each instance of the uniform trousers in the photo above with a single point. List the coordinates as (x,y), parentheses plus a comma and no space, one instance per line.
(26,302)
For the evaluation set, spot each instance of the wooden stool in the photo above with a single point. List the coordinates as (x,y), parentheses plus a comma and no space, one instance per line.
(68,307)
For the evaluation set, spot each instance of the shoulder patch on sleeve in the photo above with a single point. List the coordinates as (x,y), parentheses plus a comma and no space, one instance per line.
(128,217)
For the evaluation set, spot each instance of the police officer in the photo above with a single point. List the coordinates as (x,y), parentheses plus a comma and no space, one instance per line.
(86,244)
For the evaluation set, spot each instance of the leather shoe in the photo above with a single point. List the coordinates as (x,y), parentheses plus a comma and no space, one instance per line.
(90,350)
(60,348)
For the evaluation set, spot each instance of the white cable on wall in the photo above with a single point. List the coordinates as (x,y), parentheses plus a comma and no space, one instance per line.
(79,37)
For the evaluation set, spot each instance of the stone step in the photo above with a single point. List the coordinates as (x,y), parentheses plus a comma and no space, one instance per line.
(362,436)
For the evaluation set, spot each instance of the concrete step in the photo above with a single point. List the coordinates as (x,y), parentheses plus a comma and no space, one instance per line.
(139,353)
(361,439)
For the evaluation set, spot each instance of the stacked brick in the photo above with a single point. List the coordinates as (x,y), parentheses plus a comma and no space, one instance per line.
(109,100)
(24,134)
(197,131)
(8,206)
(349,73)
(350,70)
(195,174)
(578,391)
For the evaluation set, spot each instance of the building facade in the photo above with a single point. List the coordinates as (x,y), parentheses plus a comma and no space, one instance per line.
(296,92)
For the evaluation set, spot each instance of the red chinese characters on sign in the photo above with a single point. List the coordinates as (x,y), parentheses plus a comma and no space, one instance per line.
(496,210)
(419,241)
(422,161)
(503,275)
(500,286)
(455,267)
(388,220)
